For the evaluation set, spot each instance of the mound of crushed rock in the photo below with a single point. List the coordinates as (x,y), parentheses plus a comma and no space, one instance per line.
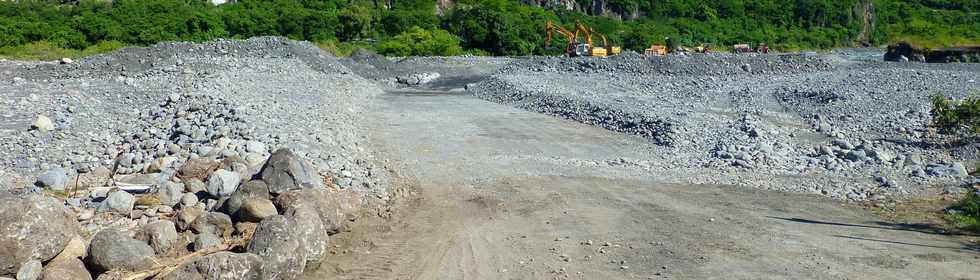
(805,123)
(182,161)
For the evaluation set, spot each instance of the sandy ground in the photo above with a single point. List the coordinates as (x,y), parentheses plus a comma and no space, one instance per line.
(502,193)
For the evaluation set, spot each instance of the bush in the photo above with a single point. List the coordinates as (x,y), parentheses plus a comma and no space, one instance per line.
(418,41)
(967,214)
(341,49)
(952,116)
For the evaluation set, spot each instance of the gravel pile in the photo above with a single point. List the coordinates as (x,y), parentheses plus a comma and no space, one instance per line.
(156,152)
(699,64)
(826,124)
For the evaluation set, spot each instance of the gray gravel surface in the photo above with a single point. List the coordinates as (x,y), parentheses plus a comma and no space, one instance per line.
(184,100)
(770,121)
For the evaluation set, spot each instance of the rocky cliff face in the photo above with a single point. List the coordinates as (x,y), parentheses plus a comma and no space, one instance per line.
(594,7)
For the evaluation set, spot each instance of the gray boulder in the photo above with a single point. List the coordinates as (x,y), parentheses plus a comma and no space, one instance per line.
(213,222)
(957,170)
(161,235)
(186,217)
(223,183)
(286,171)
(220,266)
(54,179)
(66,269)
(32,227)
(255,209)
(280,247)
(336,209)
(43,124)
(31,270)
(195,186)
(856,155)
(115,250)
(206,240)
(311,231)
(188,200)
(170,193)
(251,189)
(119,202)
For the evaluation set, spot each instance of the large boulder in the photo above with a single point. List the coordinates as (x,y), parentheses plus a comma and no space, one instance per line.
(31,270)
(223,182)
(280,247)
(213,222)
(255,209)
(311,231)
(161,235)
(115,250)
(220,266)
(119,202)
(286,171)
(54,179)
(170,193)
(336,209)
(186,217)
(251,189)
(206,240)
(66,269)
(32,226)
(198,168)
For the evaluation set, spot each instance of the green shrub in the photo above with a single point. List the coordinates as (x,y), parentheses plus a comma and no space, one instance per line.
(952,116)
(967,215)
(418,41)
(394,48)
(341,49)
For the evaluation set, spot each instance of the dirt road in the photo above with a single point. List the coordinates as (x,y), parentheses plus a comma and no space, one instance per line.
(508,194)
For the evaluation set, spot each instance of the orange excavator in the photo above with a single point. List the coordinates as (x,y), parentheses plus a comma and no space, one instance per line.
(613,50)
(576,48)
(571,37)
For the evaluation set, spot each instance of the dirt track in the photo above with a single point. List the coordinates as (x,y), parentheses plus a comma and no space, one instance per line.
(508,194)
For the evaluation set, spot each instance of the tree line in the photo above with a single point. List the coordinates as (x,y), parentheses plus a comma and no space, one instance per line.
(483,27)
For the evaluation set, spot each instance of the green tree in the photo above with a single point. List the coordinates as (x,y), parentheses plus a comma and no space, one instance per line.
(355,22)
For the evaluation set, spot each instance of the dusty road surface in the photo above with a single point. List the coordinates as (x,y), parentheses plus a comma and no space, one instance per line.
(508,194)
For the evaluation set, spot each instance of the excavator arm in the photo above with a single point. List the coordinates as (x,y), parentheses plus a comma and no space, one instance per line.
(579,27)
(553,28)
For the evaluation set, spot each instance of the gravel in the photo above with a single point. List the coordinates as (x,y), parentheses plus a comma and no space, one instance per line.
(813,123)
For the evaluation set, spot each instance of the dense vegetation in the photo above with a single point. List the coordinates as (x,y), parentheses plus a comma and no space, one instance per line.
(498,27)
(961,117)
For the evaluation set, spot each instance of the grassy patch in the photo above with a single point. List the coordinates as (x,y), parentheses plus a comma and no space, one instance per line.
(43,50)
(967,213)
(929,210)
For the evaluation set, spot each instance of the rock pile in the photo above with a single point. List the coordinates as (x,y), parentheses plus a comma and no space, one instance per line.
(185,149)
(284,214)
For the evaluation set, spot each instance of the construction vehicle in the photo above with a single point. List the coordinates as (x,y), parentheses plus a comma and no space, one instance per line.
(762,48)
(587,49)
(703,48)
(742,48)
(658,50)
(577,48)
(613,50)
(571,37)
